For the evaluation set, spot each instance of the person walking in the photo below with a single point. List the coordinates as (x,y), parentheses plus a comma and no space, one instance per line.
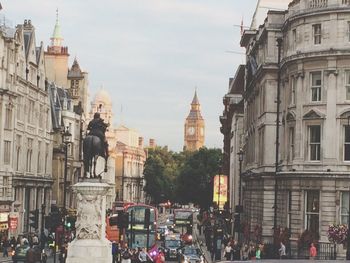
(126,255)
(5,247)
(143,256)
(114,252)
(228,251)
(282,251)
(313,251)
(30,255)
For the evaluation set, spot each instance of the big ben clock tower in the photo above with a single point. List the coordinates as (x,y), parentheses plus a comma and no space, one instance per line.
(194,127)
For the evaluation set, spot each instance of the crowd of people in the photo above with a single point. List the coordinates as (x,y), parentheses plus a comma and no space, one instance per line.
(8,245)
(135,255)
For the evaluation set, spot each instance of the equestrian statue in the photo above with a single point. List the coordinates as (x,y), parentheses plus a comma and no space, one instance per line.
(95,145)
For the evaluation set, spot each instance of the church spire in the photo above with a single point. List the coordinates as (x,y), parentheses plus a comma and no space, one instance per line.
(57,39)
(195,98)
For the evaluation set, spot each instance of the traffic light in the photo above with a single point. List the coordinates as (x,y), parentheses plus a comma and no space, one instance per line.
(70,222)
(147,217)
(34,218)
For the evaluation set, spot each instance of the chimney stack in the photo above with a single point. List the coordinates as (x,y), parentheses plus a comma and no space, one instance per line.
(141,142)
(152,143)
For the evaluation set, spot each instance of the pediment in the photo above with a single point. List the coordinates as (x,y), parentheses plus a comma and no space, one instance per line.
(313,114)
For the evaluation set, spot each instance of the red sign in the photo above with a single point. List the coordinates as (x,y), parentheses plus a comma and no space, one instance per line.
(13,222)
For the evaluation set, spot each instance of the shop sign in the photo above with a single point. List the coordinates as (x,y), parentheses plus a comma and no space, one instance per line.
(13,223)
(220,190)
(4,217)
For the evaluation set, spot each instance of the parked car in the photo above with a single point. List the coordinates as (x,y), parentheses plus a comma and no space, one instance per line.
(190,254)
(20,254)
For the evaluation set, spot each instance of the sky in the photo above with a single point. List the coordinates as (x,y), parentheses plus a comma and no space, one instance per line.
(150,55)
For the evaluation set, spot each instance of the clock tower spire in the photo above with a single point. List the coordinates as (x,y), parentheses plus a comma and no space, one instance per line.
(194,127)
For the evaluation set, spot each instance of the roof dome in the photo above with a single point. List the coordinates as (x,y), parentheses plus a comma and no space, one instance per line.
(102,96)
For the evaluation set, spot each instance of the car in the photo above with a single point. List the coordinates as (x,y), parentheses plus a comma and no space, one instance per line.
(190,254)
(20,254)
(172,244)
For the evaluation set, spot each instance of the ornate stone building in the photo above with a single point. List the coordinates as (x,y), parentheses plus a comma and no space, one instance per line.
(68,89)
(194,127)
(232,129)
(25,138)
(312,171)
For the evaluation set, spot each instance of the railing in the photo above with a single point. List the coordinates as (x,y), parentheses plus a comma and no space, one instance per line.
(325,251)
(318,3)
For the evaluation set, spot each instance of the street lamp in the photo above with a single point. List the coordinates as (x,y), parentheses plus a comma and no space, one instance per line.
(239,208)
(348,237)
(66,139)
(240,159)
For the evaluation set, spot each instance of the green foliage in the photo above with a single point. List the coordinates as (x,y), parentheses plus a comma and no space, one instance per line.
(185,177)
(195,181)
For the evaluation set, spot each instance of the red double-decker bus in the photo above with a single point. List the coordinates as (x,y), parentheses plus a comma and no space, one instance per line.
(137,233)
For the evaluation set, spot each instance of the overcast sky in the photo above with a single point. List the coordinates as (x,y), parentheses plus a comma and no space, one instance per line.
(150,55)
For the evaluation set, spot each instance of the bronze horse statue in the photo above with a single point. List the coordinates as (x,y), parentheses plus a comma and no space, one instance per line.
(93,147)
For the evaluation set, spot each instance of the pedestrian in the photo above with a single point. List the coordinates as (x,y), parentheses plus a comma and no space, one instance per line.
(126,255)
(160,257)
(282,251)
(143,256)
(134,256)
(114,252)
(228,251)
(258,253)
(30,255)
(244,252)
(313,251)
(251,252)
(5,247)
(236,254)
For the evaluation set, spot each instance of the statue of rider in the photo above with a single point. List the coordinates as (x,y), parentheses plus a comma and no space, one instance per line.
(98,127)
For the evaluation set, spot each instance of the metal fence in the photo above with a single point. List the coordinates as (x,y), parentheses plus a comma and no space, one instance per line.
(325,251)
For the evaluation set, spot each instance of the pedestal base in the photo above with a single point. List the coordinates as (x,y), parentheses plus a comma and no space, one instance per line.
(89,251)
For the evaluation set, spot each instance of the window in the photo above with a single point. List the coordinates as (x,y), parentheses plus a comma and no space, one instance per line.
(38,167)
(347,85)
(291,143)
(292,90)
(289,206)
(315,142)
(8,117)
(346,143)
(294,39)
(317,33)
(29,155)
(20,109)
(344,207)
(7,152)
(30,111)
(18,152)
(312,200)
(316,84)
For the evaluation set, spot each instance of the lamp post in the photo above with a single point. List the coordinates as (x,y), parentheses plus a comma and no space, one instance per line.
(240,159)
(66,139)
(348,237)
(239,208)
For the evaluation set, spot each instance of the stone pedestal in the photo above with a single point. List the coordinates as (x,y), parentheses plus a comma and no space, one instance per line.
(90,244)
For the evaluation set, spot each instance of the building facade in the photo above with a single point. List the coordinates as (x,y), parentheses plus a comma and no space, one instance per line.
(311,178)
(68,88)
(232,129)
(25,138)
(194,130)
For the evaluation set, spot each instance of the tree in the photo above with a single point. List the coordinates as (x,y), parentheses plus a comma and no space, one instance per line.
(195,181)
(160,174)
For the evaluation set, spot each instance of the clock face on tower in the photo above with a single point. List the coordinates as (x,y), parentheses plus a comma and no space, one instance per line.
(191,130)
